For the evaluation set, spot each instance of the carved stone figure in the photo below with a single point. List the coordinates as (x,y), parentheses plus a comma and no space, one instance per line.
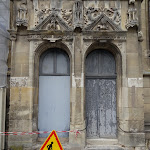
(53,25)
(132,19)
(103,25)
(78,14)
(22,14)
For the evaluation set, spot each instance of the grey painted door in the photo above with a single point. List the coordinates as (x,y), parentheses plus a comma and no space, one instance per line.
(54,93)
(101,95)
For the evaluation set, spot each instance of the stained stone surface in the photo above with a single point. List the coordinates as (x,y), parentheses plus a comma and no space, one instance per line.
(80,27)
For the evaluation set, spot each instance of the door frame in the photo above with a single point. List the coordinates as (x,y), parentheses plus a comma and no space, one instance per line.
(44,46)
(118,59)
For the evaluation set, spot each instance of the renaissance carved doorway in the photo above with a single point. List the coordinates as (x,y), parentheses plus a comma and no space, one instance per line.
(54,92)
(101,95)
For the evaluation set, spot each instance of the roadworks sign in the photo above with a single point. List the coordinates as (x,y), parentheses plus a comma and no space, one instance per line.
(52,142)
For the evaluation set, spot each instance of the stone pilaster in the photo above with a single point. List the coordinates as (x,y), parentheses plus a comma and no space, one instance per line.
(77,95)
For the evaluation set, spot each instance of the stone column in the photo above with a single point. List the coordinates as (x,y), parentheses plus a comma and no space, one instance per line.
(2,115)
(77,94)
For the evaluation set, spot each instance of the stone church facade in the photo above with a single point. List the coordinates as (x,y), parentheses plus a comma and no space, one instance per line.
(80,65)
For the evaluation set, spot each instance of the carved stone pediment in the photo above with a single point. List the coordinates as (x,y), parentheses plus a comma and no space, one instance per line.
(103,23)
(53,23)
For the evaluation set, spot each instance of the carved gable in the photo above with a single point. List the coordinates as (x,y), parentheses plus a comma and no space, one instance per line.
(103,23)
(53,22)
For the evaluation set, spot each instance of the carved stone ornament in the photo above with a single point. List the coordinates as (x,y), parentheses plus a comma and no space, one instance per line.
(22,14)
(105,37)
(18,81)
(140,36)
(85,18)
(103,23)
(132,19)
(131,1)
(102,19)
(78,14)
(50,38)
(52,22)
(67,16)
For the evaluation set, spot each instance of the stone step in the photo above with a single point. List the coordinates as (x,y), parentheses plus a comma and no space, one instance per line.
(104,147)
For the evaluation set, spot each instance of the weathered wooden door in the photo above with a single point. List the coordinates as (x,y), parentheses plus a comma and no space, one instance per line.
(101,95)
(54,92)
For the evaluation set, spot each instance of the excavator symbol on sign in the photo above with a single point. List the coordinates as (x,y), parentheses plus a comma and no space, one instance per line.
(50,146)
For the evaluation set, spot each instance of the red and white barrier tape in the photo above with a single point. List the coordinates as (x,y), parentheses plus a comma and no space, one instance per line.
(38,132)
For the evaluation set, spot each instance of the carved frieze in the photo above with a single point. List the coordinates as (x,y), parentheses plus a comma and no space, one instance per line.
(50,38)
(22,18)
(18,81)
(98,19)
(105,37)
(94,13)
(79,16)
(51,21)
(103,22)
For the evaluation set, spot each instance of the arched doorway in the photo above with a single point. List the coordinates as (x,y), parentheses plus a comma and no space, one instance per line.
(54,92)
(101,95)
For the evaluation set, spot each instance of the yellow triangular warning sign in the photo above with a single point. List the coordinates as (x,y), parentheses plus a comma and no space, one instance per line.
(52,142)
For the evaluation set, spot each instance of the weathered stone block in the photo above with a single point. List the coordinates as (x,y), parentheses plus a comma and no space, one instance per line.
(27,94)
(21,58)
(146,92)
(132,126)
(20,125)
(132,139)
(14,94)
(17,70)
(25,70)
(133,113)
(147,117)
(146,100)
(146,108)
(132,59)
(133,71)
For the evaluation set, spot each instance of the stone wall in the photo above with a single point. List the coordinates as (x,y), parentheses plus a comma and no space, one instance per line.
(146,69)
(78,27)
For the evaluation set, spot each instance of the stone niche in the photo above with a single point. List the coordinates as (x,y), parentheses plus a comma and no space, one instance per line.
(78,27)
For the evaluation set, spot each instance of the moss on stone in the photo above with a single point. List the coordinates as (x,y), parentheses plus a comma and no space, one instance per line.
(16,148)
